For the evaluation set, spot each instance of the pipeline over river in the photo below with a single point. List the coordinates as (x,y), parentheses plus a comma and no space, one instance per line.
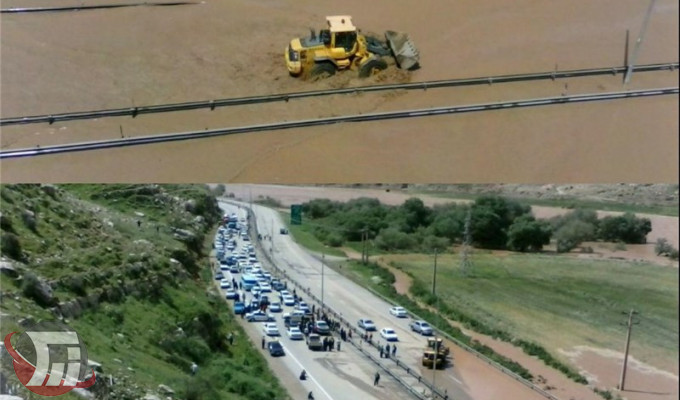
(212,104)
(172,137)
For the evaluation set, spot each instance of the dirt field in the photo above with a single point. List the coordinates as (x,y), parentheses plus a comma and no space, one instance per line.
(72,61)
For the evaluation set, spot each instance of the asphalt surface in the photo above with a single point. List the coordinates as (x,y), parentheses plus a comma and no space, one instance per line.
(468,378)
(332,375)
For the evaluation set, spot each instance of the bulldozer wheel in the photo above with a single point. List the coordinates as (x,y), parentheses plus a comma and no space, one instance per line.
(322,68)
(372,67)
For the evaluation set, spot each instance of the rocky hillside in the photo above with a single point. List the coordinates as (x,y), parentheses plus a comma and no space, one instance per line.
(127,267)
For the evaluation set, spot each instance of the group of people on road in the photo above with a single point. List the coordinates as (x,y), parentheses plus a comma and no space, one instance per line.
(385,350)
(328,343)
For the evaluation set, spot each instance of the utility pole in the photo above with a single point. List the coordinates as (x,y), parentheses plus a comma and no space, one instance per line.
(625,353)
(434,276)
(322,271)
(436,342)
(364,251)
(638,42)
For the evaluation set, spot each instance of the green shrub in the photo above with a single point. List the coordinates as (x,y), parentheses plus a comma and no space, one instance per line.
(77,285)
(6,224)
(33,289)
(11,246)
(334,240)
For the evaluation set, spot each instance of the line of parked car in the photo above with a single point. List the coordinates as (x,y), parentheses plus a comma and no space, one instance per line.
(239,257)
(388,333)
(254,279)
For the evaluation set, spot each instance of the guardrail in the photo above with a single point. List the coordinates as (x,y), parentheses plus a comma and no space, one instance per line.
(460,344)
(478,354)
(252,227)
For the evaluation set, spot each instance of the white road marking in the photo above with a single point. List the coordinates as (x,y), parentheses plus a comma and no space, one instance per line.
(454,378)
(308,374)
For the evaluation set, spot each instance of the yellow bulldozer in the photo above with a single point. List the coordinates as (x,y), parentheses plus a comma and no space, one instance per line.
(435,352)
(342,47)
(437,344)
(429,359)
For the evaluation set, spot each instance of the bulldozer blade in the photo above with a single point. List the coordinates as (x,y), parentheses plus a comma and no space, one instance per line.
(404,50)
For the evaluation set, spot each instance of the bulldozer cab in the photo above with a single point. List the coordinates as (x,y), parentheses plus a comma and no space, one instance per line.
(343,36)
(430,358)
(432,342)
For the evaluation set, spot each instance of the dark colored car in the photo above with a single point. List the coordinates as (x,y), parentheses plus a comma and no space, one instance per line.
(239,307)
(275,348)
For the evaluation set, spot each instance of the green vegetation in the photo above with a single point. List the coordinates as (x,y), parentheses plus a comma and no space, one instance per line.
(663,248)
(572,203)
(365,274)
(557,302)
(128,269)
(304,235)
(541,303)
(494,223)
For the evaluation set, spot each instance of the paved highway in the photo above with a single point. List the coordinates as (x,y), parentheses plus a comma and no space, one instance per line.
(468,379)
(334,375)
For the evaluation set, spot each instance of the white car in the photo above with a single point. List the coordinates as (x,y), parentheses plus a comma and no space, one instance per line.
(265,287)
(421,327)
(270,329)
(275,307)
(366,324)
(225,284)
(304,307)
(259,316)
(294,333)
(230,294)
(398,312)
(288,300)
(389,334)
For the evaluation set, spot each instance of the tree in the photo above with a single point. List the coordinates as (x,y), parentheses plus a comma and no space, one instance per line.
(583,215)
(394,239)
(573,233)
(319,208)
(487,229)
(415,214)
(526,233)
(491,218)
(626,228)
(359,214)
(431,242)
(448,222)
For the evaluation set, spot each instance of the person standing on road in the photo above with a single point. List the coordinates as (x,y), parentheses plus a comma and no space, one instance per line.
(387,350)
(263,342)
(376,379)
(394,350)
(380,349)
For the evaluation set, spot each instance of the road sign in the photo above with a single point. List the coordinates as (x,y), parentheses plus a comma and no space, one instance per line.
(296,214)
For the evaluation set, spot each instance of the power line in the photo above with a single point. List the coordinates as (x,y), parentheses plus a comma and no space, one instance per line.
(465,262)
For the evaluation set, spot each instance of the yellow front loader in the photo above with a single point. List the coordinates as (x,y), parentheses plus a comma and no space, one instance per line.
(341,47)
